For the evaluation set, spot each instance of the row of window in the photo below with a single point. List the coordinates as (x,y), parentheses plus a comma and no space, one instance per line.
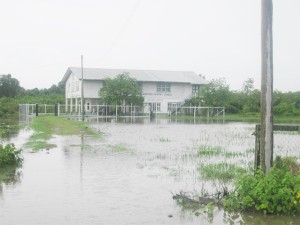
(160,87)
(156,106)
(163,87)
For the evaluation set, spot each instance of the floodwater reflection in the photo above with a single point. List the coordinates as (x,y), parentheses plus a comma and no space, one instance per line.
(127,177)
(9,175)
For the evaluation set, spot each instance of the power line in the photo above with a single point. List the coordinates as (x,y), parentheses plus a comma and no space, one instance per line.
(123,29)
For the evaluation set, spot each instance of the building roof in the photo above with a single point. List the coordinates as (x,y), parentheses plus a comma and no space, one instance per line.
(139,75)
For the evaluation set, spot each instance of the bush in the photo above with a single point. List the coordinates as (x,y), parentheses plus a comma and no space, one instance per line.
(278,192)
(9,155)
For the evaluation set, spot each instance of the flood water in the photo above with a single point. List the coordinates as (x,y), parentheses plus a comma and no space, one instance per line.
(126,177)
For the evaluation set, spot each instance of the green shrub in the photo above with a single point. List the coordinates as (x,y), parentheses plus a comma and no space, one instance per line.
(9,155)
(278,192)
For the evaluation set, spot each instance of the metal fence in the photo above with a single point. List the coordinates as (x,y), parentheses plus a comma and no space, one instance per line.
(198,111)
(118,111)
(36,109)
(90,110)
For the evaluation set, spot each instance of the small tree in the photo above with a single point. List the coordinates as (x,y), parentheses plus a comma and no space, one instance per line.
(122,90)
(216,93)
(9,87)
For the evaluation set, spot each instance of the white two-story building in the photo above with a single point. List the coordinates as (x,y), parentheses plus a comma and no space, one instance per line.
(161,89)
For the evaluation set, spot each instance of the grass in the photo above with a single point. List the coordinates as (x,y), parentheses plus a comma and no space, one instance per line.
(221,171)
(8,125)
(46,126)
(205,150)
(232,154)
(212,151)
(162,139)
(118,148)
(247,118)
(256,118)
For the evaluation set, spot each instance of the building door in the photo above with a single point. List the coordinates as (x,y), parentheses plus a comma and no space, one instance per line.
(155,106)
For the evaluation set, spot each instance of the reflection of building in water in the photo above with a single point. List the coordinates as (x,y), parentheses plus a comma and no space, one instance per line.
(162,90)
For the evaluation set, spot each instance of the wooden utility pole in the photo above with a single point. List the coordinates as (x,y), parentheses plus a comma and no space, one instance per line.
(82,97)
(266,131)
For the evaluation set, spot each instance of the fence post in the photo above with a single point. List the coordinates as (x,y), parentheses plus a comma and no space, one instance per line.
(37,109)
(55,109)
(257,148)
(116,111)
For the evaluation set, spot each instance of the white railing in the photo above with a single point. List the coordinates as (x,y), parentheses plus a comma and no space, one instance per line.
(115,111)
(89,110)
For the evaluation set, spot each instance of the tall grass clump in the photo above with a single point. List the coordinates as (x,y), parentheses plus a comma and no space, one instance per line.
(277,192)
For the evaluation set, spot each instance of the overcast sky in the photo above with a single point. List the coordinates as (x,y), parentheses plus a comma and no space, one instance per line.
(40,39)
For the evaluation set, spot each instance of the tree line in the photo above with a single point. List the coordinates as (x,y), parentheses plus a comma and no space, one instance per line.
(12,94)
(246,101)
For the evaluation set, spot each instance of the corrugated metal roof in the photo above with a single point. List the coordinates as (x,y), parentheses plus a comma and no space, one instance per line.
(139,75)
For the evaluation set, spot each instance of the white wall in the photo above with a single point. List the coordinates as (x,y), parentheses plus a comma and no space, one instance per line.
(91,88)
(73,87)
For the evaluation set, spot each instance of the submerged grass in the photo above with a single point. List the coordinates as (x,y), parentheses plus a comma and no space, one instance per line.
(221,171)
(162,139)
(213,151)
(46,126)
(205,150)
(118,148)
(246,117)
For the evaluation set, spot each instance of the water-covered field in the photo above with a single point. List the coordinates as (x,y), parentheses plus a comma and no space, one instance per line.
(129,175)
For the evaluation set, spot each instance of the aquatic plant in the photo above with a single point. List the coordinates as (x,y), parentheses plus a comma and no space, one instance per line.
(9,155)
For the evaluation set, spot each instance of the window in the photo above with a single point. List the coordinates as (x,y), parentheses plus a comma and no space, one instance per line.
(155,106)
(158,107)
(196,90)
(140,86)
(163,87)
